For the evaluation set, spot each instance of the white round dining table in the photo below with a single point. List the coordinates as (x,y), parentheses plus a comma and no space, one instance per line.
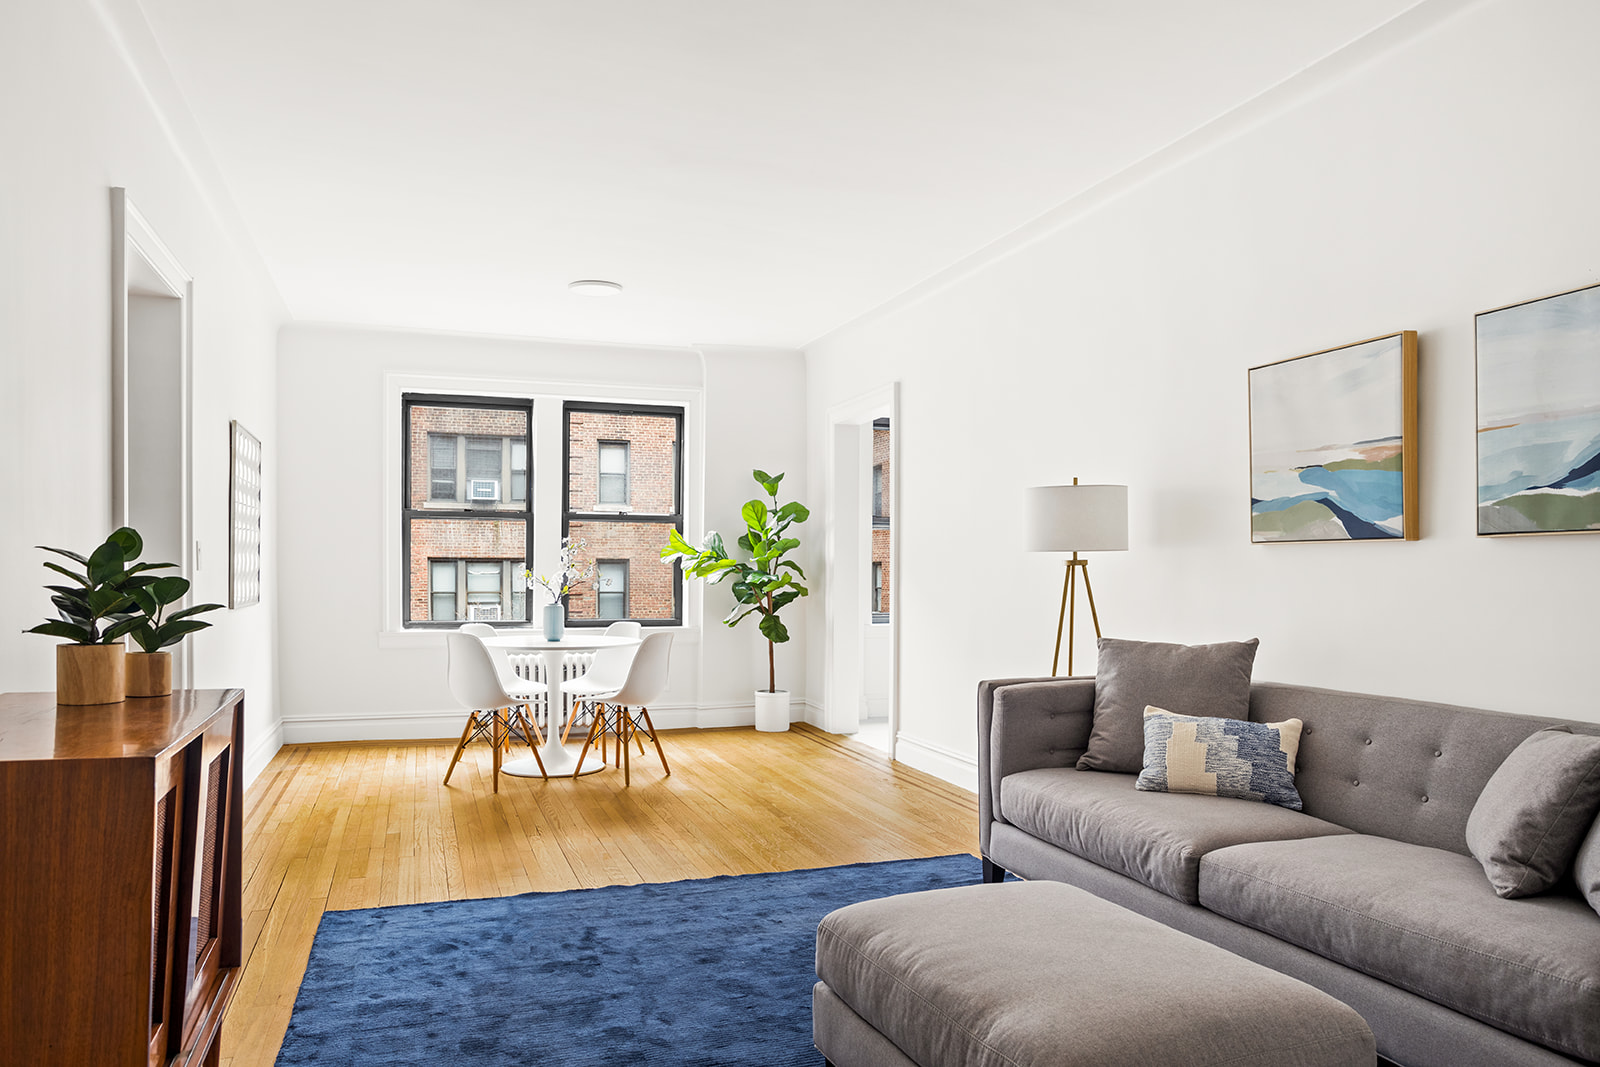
(559,760)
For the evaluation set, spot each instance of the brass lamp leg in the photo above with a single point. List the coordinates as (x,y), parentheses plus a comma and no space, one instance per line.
(1087,588)
(1066,590)
(1069,610)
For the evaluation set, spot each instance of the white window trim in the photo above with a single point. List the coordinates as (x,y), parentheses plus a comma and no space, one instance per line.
(547,397)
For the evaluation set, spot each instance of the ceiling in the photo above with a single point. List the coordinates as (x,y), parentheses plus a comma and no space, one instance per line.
(752,172)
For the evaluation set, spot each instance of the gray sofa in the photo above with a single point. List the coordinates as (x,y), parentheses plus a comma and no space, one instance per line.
(1368,894)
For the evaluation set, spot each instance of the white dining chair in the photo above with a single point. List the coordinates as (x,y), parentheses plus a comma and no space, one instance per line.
(494,712)
(606,673)
(513,681)
(626,713)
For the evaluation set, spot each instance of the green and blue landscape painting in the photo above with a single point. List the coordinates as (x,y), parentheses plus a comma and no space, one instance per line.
(1539,416)
(1327,452)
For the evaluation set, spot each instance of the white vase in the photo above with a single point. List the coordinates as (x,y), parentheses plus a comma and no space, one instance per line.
(772,711)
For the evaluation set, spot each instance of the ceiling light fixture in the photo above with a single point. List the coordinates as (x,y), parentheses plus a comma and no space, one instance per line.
(594,287)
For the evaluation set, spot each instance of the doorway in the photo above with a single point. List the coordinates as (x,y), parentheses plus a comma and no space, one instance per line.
(862,651)
(152,481)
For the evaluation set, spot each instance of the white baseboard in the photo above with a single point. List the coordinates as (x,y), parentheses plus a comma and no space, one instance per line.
(390,726)
(809,712)
(957,768)
(260,754)
(430,725)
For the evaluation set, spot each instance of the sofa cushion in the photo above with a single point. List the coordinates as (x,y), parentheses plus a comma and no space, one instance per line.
(1041,974)
(1425,920)
(1154,838)
(1207,680)
(1220,757)
(1586,868)
(1533,813)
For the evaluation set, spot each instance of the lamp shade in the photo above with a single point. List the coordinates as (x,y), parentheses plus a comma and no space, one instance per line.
(1076,518)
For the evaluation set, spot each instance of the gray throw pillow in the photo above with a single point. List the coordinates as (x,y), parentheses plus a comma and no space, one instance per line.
(1534,811)
(1586,868)
(1206,681)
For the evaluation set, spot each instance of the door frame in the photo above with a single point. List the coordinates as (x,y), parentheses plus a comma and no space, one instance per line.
(141,263)
(841,711)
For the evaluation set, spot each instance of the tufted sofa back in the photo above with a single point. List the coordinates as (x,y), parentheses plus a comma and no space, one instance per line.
(1402,769)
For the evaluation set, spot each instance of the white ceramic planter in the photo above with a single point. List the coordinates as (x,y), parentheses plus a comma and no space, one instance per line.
(772,711)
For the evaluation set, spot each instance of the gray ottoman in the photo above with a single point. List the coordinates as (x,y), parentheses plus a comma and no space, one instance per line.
(1041,973)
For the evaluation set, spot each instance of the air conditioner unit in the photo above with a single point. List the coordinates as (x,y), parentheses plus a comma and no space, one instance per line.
(483,612)
(483,489)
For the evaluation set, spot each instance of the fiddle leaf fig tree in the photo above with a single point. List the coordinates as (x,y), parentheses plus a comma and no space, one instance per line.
(768,582)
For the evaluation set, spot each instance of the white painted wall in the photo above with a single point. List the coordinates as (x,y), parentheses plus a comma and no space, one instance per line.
(347,673)
(89,105)
(1441,169)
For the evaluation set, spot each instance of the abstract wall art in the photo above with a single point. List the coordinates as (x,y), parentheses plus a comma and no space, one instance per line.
(244,518)
(1333,444)
(1539,415)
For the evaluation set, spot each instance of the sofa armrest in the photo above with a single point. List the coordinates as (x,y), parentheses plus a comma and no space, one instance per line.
(1024,724)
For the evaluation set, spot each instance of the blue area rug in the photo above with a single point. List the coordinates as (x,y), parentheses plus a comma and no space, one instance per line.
(714,971)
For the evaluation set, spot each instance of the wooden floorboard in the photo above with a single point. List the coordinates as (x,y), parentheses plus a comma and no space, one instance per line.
(336,826)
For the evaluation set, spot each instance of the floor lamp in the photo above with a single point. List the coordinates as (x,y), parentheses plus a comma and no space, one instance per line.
(1076,518)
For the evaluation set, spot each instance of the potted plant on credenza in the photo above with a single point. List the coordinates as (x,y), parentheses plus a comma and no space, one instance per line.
(150,671)
(763,586)
(107,600)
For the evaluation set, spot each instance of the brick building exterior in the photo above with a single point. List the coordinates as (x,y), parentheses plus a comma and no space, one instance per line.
(882,479)
(477,460)
(623,464)
(467,459)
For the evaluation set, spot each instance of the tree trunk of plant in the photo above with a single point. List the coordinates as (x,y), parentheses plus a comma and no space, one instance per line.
(772,669)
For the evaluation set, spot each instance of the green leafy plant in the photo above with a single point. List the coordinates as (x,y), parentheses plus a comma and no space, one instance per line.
(153,632)
(99,607)
(764,585)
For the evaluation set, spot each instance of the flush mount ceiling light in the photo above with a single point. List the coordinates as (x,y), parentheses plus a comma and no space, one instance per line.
(594,287)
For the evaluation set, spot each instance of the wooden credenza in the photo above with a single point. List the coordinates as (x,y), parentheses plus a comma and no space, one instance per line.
(119,878)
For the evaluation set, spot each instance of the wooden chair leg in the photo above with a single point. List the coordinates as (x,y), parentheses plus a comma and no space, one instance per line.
(498,741)
(460,747)
(531,717)
(572,720)
(652,728)
(587,742)
(530,728)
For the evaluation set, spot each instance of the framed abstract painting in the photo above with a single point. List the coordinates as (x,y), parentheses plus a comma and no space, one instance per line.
(1539,416)
(1333,444)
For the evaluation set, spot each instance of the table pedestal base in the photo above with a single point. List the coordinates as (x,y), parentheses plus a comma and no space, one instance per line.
(559,762)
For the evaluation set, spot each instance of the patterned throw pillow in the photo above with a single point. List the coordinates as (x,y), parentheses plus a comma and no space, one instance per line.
(1220,757)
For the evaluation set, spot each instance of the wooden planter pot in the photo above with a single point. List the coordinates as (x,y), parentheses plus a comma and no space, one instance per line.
(90,674)
(149,674)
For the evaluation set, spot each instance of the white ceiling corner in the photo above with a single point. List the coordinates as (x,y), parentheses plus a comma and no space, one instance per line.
(754,173)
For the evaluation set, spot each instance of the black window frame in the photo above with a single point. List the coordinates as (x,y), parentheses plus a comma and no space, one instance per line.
(467,511)
(675,519)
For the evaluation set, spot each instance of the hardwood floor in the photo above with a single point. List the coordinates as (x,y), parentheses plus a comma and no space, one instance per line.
(336,826)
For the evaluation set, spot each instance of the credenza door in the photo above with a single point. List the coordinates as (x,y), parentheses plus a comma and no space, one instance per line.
(210,763)
(168,840)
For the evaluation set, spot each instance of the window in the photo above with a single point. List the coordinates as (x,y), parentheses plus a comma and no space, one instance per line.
(519,470)
(484,469)
(475,590)
(877,588)
(613,485)
(466,525)
(441,589)
(877,490)
(611,589)
(441,466)
(621,456)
